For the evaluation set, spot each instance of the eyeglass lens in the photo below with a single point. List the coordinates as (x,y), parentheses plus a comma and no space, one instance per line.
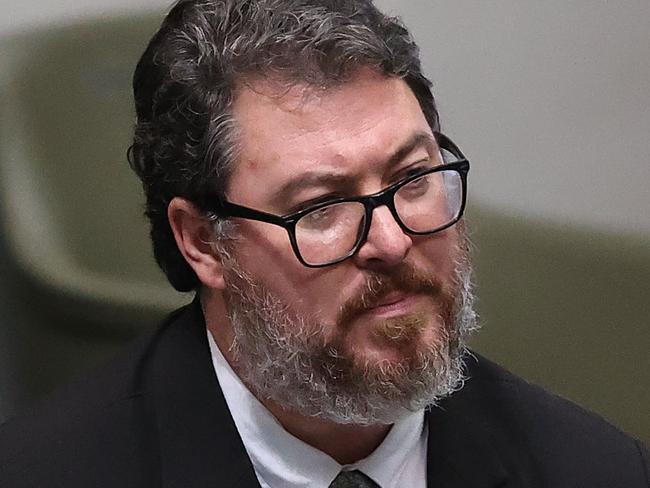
(423,205)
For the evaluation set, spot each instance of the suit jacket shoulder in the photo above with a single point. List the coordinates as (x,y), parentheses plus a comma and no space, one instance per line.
(502,428)
(153,416)
(88,433)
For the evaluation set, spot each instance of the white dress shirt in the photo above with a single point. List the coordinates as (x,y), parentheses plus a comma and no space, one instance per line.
(281,460)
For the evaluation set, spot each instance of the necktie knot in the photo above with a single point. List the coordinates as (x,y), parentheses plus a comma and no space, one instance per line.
(353,479)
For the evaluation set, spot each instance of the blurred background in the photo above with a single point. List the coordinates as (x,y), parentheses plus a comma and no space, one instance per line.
(549,100)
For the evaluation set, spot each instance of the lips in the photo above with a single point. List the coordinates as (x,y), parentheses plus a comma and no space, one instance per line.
(403,291)
(389,299)
(394,303)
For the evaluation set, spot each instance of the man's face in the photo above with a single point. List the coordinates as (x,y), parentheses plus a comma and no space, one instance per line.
(385,313)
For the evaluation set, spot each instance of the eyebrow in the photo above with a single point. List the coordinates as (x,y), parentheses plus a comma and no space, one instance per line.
(318,178)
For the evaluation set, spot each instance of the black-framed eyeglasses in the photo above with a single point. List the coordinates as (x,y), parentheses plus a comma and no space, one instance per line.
(329,232)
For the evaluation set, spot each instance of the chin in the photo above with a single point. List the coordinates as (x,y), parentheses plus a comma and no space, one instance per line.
(400,339)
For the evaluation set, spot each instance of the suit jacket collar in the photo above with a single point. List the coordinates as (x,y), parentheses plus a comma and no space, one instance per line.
(460,453)
(470,434)
(199,444)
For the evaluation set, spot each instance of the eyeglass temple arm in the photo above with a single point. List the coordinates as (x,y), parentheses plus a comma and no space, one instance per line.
(227,209)
(445,143)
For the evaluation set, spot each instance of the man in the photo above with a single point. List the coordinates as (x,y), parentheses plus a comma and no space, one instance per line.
(297,179)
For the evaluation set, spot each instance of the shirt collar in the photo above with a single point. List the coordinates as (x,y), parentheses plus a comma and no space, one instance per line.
(280,459)
(405,442)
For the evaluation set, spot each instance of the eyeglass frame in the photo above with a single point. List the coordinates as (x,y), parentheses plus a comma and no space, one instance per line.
(223,208)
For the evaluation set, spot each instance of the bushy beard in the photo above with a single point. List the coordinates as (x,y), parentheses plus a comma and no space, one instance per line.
(284,357)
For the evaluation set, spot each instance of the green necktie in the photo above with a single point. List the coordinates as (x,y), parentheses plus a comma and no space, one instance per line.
(353,479)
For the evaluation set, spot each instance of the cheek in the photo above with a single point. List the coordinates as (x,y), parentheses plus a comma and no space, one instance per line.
(264,252)
(263,246)
(439,251)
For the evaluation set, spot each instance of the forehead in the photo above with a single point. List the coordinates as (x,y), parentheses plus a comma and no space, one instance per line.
(347,130)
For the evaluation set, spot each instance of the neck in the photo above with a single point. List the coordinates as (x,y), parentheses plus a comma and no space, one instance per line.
(346,443)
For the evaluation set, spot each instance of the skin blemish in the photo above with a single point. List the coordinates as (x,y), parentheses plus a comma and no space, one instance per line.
(338,160)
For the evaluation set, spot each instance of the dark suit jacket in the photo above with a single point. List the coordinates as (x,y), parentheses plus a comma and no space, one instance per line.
(156,417)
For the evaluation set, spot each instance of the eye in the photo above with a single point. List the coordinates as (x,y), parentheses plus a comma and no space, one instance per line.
(416,188)
(311,202)
(412,172)
(321,219)
(413,169)
(418,170)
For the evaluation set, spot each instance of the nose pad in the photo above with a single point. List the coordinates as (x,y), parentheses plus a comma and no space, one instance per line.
(386,242)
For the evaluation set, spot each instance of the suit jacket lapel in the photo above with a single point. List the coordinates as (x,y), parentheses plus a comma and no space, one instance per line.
(464,448)
(199,443)
(460,454)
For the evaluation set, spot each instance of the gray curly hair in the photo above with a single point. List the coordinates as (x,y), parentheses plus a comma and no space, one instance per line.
(185,83)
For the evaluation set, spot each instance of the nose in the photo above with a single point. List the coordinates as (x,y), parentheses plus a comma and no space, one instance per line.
(386,243)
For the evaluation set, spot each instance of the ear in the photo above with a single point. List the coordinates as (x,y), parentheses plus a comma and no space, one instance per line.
(193,234)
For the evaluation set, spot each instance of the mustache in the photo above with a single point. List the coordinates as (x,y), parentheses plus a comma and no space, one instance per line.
(402,278)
